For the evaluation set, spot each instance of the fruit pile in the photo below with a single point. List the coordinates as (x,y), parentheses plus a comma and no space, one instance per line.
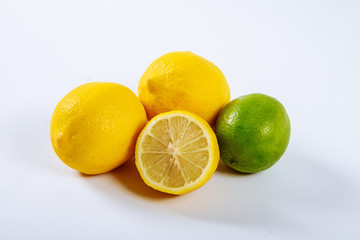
(98,126)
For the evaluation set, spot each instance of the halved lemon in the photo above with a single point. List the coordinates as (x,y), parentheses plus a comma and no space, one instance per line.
(177,152)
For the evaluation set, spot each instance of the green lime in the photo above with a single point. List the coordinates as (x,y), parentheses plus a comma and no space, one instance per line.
(253,132)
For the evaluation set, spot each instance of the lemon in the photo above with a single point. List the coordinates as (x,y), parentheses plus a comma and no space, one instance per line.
(184,81)
(95,126)
(177,152)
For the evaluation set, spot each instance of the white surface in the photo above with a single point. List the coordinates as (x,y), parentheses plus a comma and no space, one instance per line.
(304,53)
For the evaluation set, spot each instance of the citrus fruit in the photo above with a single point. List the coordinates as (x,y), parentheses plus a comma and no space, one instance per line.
(95,126)
(184,81)
(176,152)
(253,132)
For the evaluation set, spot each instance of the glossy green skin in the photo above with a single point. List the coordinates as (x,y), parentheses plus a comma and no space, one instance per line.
(253,132)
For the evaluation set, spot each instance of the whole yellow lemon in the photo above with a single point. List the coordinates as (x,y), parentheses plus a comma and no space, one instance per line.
(184,81)
(95,126)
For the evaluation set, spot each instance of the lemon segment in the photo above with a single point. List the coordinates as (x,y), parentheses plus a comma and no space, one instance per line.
(177,152)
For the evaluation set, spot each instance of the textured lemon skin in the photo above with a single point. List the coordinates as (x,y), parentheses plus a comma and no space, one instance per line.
(184,81)
(94,127)
(214,154)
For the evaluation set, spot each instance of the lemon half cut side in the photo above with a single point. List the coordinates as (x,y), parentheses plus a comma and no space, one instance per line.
(177,152)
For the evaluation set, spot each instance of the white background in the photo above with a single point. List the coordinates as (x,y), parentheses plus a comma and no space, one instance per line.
(304,53)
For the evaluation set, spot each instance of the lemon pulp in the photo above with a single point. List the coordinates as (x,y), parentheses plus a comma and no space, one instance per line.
(177,152)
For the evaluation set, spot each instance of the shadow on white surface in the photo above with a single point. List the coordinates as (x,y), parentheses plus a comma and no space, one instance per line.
(223,169)
(127,176)
(297,195)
